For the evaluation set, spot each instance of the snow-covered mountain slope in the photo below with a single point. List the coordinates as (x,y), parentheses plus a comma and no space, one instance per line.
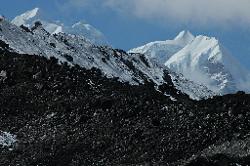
(83,29)
(25,18)
(201,59)
(183,38)
(132,68)
(30,17)
(206,61)
(163,50)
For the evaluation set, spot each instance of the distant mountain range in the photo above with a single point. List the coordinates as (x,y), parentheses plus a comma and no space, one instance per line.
(201,59)
(133,68)
(80,28)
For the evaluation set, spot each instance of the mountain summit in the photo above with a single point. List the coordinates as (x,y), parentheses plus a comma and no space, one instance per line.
(26,18)
(201,59)
(30,17)
(163,50)
(206,61)
(80,28)
(184,37)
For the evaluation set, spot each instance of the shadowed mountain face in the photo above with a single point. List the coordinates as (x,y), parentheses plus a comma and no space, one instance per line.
(56,114)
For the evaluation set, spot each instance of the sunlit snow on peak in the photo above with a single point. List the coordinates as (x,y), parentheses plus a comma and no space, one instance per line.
(202,59)
(80,28)
(23,18)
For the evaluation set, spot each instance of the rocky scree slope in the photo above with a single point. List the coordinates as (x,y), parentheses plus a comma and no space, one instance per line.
(61,114)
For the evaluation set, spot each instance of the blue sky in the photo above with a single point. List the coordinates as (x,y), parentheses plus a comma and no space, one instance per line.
(131,23)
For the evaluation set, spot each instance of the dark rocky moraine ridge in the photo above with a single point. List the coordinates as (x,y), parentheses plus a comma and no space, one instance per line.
(67,115)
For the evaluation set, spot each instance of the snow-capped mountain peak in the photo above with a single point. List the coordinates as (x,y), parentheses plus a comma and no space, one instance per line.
(24,18)
(184,34)
(203,60)
(30,17)
(163,50)
(184,37)
(84,29)
(54,27)
(80,23)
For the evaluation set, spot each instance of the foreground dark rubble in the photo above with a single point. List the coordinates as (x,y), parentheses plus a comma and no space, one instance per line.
(65,115)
